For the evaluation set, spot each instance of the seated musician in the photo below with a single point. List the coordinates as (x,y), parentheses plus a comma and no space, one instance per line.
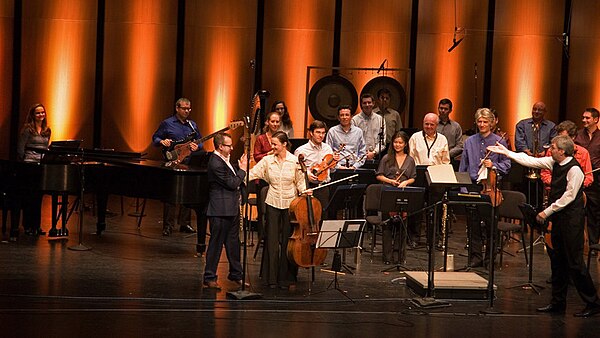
(178,127)
(34,134)
(314,151)
(476,160)
(354,150)
(397,169)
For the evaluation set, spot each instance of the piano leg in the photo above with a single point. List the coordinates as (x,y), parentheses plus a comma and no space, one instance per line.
(59,214)
(101,204)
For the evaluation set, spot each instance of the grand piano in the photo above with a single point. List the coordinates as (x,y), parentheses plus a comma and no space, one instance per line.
(106,172)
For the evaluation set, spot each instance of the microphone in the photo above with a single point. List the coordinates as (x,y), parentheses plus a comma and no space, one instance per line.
(455,44)
(382,66)
(264,93)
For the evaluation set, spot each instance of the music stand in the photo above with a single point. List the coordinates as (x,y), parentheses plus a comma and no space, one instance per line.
(339,234)
(400,200)
(346,197)
(529,215)
(365,176)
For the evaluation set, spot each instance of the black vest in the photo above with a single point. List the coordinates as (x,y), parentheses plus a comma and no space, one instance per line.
(558,186)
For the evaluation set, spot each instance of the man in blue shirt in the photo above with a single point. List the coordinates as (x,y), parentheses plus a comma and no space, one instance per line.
(173,129)
(476,160)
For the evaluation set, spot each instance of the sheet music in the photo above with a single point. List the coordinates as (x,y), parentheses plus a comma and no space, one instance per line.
(442,173)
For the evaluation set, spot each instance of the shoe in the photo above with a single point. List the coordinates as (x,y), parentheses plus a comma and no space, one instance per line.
(387,262)
(549,280)
(272,286)
(590,310)
(40,232)
(212,285)
(166,232)
(552,308)
(412,245)
(237,283)
(291,287)
(12,239)
(187,229)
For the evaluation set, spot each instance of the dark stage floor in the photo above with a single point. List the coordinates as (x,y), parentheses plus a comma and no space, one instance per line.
(139,283)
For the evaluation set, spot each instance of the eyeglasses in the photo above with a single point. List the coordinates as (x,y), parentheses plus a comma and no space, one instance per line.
(227,145)
(185,108)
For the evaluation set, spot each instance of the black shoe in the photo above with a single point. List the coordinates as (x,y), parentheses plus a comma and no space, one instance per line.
(590,310)
(187,229)
(552,308)
(167,232)
(387,262)
(40,232)
(549,280)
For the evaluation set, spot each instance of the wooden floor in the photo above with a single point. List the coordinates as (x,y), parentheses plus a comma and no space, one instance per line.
(135,282)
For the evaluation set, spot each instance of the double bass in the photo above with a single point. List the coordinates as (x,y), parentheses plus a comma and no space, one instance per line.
(305,210)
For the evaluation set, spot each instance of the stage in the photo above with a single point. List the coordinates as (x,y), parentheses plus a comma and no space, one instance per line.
(135,282)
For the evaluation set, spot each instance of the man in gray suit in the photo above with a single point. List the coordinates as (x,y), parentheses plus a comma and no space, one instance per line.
(224,183)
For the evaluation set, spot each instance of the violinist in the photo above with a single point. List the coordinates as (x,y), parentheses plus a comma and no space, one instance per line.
(397,169)
(280,171)
(315,151)
(351,136)
(476,161)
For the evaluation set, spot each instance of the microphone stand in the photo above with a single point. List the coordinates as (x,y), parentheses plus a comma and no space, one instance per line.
(381,137)
(243,294)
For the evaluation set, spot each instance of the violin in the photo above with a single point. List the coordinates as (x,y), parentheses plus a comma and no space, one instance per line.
(321,170)
(305,211)
(490,185)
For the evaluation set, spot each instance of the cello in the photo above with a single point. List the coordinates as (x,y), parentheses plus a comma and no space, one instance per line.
(305,210)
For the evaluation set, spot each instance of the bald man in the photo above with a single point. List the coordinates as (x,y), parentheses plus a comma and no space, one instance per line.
(429,147)
(524,134)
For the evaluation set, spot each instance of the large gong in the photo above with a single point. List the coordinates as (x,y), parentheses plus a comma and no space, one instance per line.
(327,94)
(398,100)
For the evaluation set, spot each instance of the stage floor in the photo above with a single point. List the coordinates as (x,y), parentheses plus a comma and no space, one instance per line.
(135,282)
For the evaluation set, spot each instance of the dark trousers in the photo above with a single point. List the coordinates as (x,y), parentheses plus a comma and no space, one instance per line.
(394,239)
(592,210)
(32,211)
(567,261)
(478,231)
(223,231)
(277,268)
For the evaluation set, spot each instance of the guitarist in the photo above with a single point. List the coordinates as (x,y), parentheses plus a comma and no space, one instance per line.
(175,128)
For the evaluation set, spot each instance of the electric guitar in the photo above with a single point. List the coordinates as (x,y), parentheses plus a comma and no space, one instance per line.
(180,150)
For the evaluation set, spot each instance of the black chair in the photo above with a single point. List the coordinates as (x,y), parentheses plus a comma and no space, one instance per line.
(508,212)
(373,212)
